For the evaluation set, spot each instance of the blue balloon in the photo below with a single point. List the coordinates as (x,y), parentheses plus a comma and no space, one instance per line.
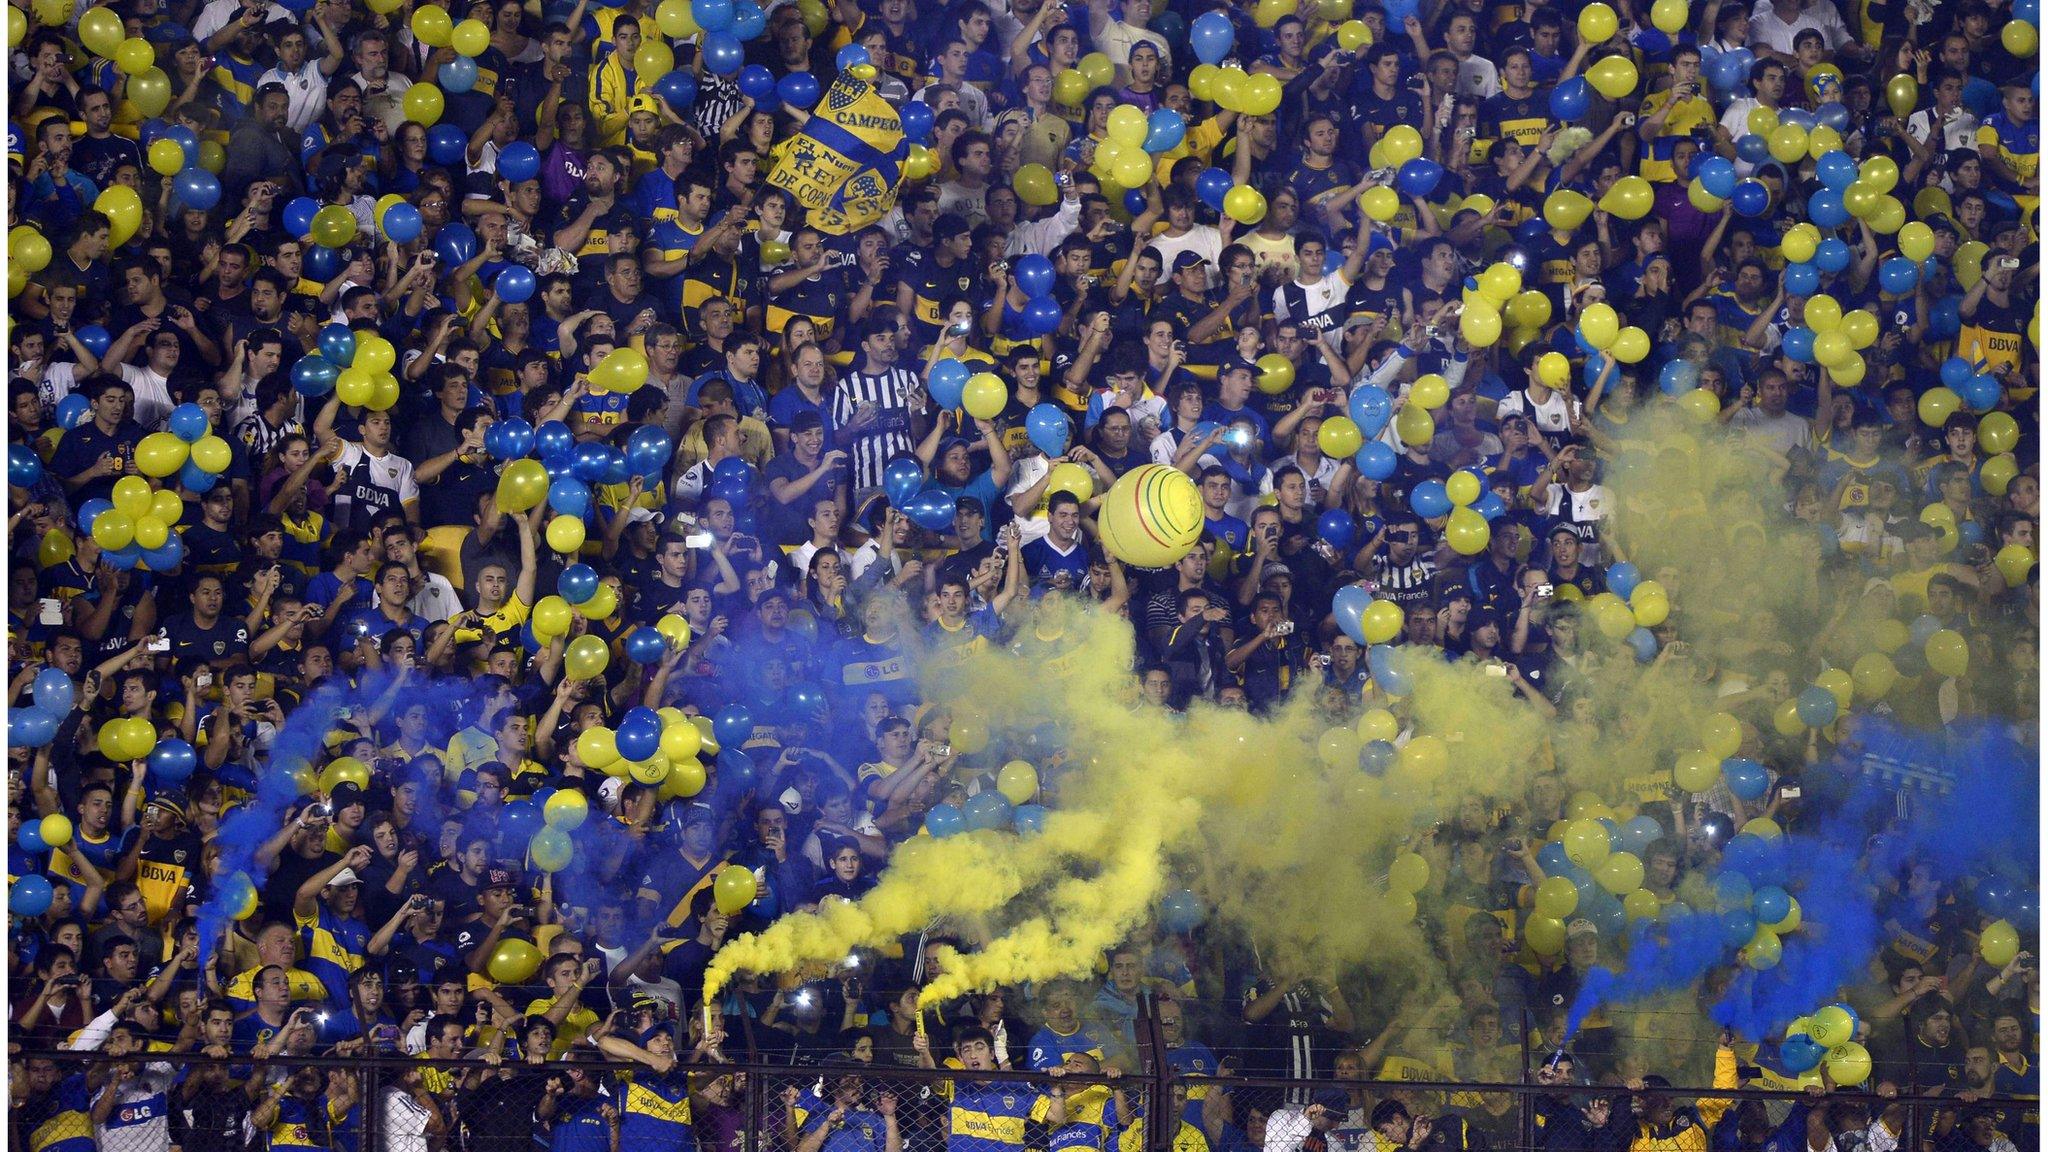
(756,83)
(518,820)
(748,20)
(1337,528)
(1030,819)
(188,422)
(1772,904)
(455,244)
(90,511)
(1825,209)
(1798,117)
(402,223)
(1639,833)
(1180,912)
(31,837)
(1164,130)
(571,497)
(447,144)
(1751,199)
(1898,275)
(1622,578)
(1348,607)
(514,285)
(458,75)
(1034,274)
(73,410)
(553,438)
(31,727)
(1836,170)
(931,511)
(298,215)
(1212,36)
(733,724)
(1370,407)
(1727,73)
(1049,428)
(1210,187)
(712,15)
(916,116)
(638,734)
(1798,344)
(1945,319)
(1747,779)
(988,811)
(1802,279)
(1418,177)
(589,461)
(648,450)
(95,339)
(947,383)
(1738,925)
(1134,201)
(1377,757)
(518,162)
(25,468)
(1832,256)
(679,88)
(1981,394)
(1430,500)
(577,583)
(1570,100)
(1800,1053)
(196,188)
(54,691)
(1717,175)
(1490,506)
(173,760)
(337,345)
(195,479)
(645,646)
(851,56)
(30,896)
(1644,644)
(722,53)
(1678,377)
(1832,115)
(943,820)
(733,471)
(517,436)
(798,90)
(1955,371)
(1376,460)
(322,263)
(1753,149)
(1817,706)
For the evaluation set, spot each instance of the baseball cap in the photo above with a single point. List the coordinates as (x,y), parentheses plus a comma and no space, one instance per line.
(1188,260)
(499,876)
(698,814)
(1333,1100)
(169,32)
(1580,927)
(643,103)
(345,794)
(344,877)
(639,515)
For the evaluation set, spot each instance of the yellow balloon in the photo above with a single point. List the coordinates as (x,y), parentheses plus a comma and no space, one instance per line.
(676,20)
(160,454)
(122,206)
(1480,324)
(1035,186)
(1414,425)
(1916,241)
(1544,934)
(1598,23)
(1245,204)
(212,454)
(587,656)
(1902,94)
(1380,204)
(133,496)
(1599,324)
(1696,193)
(1353,35)
(1262,95)
(99,29)
(423,103)
(565,534)
(113,530)
(166,157)
(733,889)
(1669,16)
(1530,309)
(623,369)
(1097,68)
(1999,943)
(432,26)
(1946,651)
(522,486)
(1722,736)
(333,227)
(134,55)
(1631,198)
(601,605)
(1613,77)
(1762,121)
(2020,38)
(1823,313)
(597,747)
(472,37)
(1787,143)
(1127,125)
(1401,144)
(1631,345)
(985,396)
(1017,781)
(653,58)
(1565,209)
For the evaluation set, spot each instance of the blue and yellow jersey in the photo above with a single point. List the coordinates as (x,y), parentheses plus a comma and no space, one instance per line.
(599,22)
(237,80)
(303,540)
(1092,1122)
(713,277)
(989,1116)
(612,87)
(655,196)
(656,1110)
(601,409)
(858,1130)
(819,298)
(1692,113)
(1735,316)
(334,948)
(297,1126)
(2017,148)
(241,990)
(104,854)
(579,1021)
(61,1119)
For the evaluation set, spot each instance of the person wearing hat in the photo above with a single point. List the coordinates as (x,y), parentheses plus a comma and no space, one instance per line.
(946,272)
(501,914)
(798,477)
(327,910)
(843,1122)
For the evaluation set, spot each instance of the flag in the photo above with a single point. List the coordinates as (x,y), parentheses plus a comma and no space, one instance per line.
(846,163)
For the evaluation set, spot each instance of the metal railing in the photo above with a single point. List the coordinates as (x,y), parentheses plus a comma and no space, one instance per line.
(200,1103)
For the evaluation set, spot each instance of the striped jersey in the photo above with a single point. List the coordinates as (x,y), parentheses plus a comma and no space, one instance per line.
(884,437)
(989,1115)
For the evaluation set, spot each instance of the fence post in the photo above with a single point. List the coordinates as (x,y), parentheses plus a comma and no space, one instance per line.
(370,1133)
(1160,1129)
(1525,1114)
(757,1103)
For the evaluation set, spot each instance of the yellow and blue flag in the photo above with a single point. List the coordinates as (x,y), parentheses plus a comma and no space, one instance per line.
(846,163)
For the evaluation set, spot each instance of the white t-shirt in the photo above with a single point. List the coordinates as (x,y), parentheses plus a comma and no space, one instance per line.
(1784,431)
(1959,131)
(1201,239)
(153,401)
(390,474)
(218,13)
(305,94)
(1552,416)
(1766,30)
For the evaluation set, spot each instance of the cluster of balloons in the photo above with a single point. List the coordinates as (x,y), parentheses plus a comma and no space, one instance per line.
(1040,316)
(1127,156)
(985,812)
(187,448)
(134,527)
(1071,86)
(1825,1039)
(657,747)
(36,725)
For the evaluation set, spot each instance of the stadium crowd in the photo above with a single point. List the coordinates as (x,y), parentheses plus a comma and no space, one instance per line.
(594,178)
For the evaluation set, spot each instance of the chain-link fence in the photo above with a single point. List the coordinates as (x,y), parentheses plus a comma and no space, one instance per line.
(155,1101)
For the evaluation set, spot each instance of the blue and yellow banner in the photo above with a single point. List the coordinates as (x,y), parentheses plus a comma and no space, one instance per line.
(846,163)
